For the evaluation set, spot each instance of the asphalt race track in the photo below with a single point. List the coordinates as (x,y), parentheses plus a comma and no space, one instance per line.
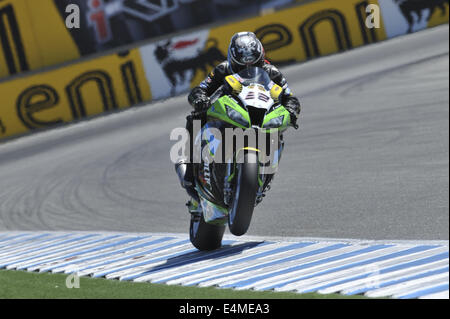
(370,161)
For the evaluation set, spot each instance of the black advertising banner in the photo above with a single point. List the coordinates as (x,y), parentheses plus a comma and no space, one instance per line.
(106,24)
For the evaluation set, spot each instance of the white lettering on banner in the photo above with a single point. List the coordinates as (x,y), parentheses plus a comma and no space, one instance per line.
(373,19)
(149,10)
(73,19)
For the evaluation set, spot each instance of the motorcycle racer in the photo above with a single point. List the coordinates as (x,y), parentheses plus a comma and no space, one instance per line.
(245,50)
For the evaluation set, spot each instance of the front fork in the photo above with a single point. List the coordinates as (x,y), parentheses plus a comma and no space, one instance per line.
(267,172)
(228,187)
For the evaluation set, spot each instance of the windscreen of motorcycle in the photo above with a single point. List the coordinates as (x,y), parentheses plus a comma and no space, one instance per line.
(257,96)
(256,85)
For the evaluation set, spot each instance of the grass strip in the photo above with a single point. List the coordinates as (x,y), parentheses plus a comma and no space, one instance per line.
(26,285)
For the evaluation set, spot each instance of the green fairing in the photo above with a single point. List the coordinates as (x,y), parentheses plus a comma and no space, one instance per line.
(221,210)
(280,111)
(218,110)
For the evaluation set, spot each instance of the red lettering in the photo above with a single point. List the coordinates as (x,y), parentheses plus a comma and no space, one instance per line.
(101,26)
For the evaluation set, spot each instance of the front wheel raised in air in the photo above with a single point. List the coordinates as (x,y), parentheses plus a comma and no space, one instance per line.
(245,195)
(205,236)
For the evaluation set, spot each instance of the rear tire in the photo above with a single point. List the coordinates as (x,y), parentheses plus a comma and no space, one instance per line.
(205,236)
(245,195)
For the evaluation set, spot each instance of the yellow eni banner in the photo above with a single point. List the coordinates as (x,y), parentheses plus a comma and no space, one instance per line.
(71,93)
(29,42)
(307,31)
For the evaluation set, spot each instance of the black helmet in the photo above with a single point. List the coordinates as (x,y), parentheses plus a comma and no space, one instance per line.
(245,50)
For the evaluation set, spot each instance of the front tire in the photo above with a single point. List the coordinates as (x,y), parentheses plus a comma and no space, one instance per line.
(245,195)
(205,236)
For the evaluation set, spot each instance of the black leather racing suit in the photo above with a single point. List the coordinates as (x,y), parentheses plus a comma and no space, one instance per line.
(216,78)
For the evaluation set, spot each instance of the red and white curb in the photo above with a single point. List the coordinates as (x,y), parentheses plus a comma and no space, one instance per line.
(397,269)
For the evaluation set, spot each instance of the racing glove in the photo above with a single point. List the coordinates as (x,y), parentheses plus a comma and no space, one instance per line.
(201,105)
(293,107)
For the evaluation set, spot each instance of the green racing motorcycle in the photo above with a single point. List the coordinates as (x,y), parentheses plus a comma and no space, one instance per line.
(241,144)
